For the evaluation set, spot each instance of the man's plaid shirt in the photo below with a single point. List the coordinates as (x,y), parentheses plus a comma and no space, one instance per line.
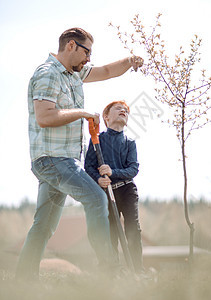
(52,82)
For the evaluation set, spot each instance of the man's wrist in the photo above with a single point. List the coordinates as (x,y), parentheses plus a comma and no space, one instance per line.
(129,60)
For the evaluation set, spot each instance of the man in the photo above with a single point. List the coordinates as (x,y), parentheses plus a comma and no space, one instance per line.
(121,166)
(56,114)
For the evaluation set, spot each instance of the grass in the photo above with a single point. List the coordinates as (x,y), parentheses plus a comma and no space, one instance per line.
(171,283)
(162,223)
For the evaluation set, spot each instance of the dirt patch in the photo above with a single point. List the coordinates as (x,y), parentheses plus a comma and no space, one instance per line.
(59,265)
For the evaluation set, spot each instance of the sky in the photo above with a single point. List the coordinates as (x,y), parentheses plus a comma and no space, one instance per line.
(30,30)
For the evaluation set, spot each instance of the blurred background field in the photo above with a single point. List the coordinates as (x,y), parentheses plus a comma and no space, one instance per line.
(162,223)
(69,259)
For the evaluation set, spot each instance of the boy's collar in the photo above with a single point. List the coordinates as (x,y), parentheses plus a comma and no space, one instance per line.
(112,131)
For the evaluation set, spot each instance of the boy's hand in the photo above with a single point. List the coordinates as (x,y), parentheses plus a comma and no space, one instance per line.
(104,182)
(105,170)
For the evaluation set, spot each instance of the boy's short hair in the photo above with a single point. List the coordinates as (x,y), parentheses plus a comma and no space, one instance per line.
(109,106)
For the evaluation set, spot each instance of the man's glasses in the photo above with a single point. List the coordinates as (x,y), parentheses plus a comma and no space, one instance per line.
(88,53)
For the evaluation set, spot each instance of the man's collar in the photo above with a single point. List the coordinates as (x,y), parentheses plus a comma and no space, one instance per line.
(60,66)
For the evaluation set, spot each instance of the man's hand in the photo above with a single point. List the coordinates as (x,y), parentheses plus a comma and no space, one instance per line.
(104,182)
(105,170)
(136,62)
(95,117)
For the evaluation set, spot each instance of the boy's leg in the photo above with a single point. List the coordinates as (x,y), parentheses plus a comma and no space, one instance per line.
(113,232)
(128,196)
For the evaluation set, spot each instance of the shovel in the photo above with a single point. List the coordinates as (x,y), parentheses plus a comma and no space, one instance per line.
(94,132)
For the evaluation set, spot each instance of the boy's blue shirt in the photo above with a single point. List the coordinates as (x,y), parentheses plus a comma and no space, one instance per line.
(119,152)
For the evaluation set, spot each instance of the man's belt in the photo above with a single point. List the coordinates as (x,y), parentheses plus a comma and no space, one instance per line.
(120,183)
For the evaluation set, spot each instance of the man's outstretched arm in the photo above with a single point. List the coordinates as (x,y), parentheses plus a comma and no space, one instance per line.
(114,69)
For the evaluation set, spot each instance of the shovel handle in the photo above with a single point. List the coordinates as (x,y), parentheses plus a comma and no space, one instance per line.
(94,131)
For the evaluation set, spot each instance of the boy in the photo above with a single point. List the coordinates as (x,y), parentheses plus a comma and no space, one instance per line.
(121,166)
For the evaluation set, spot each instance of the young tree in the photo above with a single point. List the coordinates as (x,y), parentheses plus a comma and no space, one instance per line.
(176,85)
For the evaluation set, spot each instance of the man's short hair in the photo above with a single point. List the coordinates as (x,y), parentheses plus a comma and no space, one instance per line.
(109,106)
(77,34)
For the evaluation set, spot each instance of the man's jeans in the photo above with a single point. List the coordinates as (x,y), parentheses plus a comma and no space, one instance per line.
(59,177)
